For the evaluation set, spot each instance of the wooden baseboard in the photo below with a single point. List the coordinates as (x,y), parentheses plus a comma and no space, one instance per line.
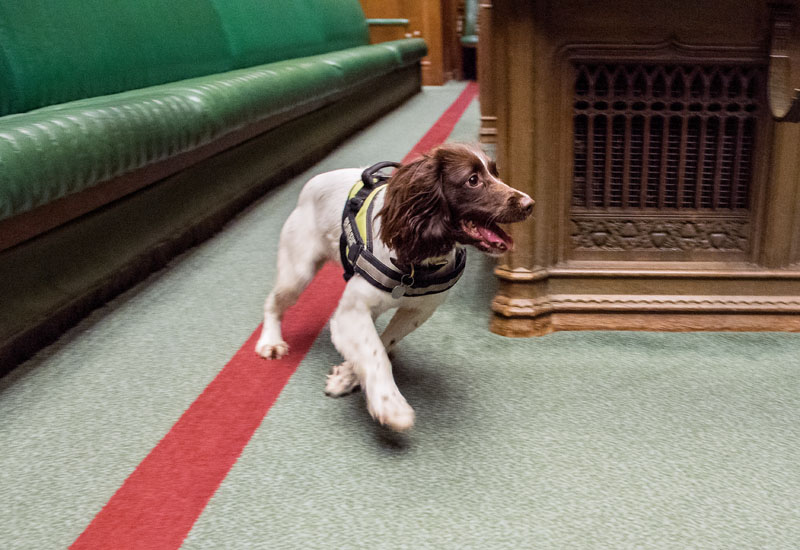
(645,296)
(662,322)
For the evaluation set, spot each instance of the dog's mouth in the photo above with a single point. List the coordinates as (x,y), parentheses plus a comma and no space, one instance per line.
(489,238)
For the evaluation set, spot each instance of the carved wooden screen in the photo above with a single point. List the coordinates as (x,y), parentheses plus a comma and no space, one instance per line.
(664,158)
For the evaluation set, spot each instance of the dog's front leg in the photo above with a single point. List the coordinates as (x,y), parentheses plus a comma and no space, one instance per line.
(409,318)
(354,335)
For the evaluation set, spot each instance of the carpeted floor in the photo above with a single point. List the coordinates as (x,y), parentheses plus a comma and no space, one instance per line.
(586,440)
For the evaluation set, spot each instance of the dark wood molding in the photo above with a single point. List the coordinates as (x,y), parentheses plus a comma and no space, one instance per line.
(486,76)
(669,48)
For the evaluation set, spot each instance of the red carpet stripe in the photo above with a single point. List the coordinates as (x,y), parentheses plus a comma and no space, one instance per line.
(444,126)
(159,502)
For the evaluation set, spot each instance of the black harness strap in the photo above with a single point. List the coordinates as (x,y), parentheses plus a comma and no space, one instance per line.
(370,178)
(357,256)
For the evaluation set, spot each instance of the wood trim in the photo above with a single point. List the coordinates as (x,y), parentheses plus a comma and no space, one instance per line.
(652,303)
(646,270)
(665,50)
(666,322)
(486,76)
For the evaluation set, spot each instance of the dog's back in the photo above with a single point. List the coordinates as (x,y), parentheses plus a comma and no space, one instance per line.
(318,214)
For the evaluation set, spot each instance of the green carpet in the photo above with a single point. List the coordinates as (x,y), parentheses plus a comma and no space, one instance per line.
(587,440)
(575,440)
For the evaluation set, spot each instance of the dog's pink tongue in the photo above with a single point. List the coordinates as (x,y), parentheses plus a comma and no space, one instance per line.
(501,242)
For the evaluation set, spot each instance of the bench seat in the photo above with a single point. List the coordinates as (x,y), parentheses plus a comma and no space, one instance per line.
(54,151)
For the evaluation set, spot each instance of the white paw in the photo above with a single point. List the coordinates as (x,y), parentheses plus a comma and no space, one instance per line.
(341,381)
(391,410)
(270,350)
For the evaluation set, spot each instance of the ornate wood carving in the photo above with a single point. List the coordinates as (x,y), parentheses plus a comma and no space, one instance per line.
(658,144)
(659,233)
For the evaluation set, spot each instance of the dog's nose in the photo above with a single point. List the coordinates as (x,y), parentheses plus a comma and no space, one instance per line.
(526,205)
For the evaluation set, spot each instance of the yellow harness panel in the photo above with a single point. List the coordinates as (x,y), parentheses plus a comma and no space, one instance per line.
(361,216)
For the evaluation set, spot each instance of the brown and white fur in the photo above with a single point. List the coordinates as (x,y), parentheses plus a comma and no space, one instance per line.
(448,198)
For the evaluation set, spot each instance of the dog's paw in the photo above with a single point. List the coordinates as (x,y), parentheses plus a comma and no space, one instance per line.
(391,410)
(341,381)
(270,350)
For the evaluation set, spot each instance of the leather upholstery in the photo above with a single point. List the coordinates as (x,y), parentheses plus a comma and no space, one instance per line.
(62,50)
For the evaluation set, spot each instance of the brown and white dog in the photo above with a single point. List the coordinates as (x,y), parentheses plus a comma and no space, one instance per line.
(448,198)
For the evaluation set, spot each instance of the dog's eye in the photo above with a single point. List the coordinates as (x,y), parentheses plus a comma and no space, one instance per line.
(473,180)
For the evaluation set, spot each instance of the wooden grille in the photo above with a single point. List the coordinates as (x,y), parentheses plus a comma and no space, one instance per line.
(654,136)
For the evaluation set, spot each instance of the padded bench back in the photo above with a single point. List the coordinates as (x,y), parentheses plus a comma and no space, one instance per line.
(53,51)
(263,31)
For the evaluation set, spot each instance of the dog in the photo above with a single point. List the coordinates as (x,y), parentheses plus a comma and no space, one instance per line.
(428,211)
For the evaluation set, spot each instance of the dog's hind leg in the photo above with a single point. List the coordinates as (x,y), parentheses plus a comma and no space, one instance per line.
(298,262)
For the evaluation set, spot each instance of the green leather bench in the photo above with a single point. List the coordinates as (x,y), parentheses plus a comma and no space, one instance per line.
(132,130)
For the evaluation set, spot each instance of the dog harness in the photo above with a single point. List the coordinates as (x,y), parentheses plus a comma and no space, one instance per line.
(355,246)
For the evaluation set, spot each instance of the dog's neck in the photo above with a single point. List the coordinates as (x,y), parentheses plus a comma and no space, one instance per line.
(428,264)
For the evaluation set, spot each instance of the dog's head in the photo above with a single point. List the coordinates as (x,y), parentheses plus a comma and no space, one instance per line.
(451,195)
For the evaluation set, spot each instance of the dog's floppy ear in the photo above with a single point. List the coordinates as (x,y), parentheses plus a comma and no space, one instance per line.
(415,219)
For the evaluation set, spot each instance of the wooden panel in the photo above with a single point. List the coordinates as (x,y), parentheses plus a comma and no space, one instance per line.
(429,15)
(385,9)
(425,21)
(386,33)
(713,189)
(451,47)
(486,76)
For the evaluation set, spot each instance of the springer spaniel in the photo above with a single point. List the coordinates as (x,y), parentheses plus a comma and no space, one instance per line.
(450,197)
